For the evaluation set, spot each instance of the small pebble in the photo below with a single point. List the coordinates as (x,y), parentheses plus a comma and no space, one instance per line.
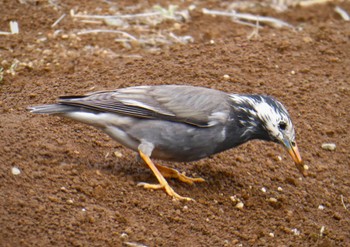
(296,232)
(279,189)
(321,207)
(322,231)
(279,158)
(271,234)
(263,189)
(329,146)
(15,170)
(118,154)
(234,198)
(272,199)
(64,189)
(226,77)
(212,42)
(124,235)
(240,205)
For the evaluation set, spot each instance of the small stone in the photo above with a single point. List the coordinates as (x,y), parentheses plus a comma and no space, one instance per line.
(263,189)
(337,216)
(15,170)
(292,72)
(280,189)
(64,189)
(118,154)
(124,235)
(226,77)
(234,199)
(70,201)
(329,146)
(212,42)
(240,205)
(192,7)
(272,200)
(295,231)
(321,207)
(271,234)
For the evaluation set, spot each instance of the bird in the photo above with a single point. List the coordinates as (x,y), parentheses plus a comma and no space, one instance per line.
(179,123)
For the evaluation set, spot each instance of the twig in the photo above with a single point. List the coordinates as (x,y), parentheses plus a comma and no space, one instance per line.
(14,29)
(249,17)
(107,31)
(308,3)
(342,201)
(255,33)
(342,13)
(141,15)
(58,20)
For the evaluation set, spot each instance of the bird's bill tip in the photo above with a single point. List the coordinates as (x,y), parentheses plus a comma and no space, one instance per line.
(294,153)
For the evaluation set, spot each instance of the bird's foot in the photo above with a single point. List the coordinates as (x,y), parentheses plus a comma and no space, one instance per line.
(172,173)
(167,189)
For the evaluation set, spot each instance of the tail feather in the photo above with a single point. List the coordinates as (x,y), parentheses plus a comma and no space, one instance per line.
(52,109)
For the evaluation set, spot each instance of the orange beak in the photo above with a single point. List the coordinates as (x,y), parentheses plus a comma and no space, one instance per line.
(293,151)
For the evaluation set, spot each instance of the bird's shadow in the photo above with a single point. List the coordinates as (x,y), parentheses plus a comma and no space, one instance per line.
(136,170)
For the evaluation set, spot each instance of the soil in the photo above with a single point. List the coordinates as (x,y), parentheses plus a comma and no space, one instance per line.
(77,187)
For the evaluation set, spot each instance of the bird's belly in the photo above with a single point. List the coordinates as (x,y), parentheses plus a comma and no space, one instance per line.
(177,141)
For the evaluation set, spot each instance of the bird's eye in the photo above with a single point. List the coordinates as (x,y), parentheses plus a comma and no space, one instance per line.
(282,125)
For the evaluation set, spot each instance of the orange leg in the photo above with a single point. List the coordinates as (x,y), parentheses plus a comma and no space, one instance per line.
(172,173)
(163,184)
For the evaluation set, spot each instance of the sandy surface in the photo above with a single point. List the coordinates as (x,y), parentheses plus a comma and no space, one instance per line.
(77,187)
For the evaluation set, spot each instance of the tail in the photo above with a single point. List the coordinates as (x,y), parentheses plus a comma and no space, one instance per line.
(52,109)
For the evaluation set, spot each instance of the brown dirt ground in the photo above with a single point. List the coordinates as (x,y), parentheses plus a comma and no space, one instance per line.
(73,190)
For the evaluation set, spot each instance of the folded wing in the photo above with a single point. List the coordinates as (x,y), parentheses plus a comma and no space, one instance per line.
(193,105)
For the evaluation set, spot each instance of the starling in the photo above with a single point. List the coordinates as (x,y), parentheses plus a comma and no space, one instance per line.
(179,123)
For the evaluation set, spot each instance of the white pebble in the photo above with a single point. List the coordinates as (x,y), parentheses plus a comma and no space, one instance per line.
(83,209)
(226,77)
(212,42)
(292,72)
(118,154)
(240,205)
(234,198)
(271,234)
(295,231)
(123,235)
(191,7)
(263,189)
(15,170)
(279,158)
(329,146)
(272,199)
(280,189)
(321,207)
(322,231)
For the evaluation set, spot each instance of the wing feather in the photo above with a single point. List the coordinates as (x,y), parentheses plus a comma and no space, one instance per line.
(198,106)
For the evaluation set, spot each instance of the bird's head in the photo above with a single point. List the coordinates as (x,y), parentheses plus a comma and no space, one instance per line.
(274,121)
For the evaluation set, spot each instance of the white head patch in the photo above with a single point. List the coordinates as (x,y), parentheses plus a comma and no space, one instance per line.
(272,113)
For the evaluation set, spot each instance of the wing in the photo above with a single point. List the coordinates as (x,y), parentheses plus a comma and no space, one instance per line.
(198,106)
